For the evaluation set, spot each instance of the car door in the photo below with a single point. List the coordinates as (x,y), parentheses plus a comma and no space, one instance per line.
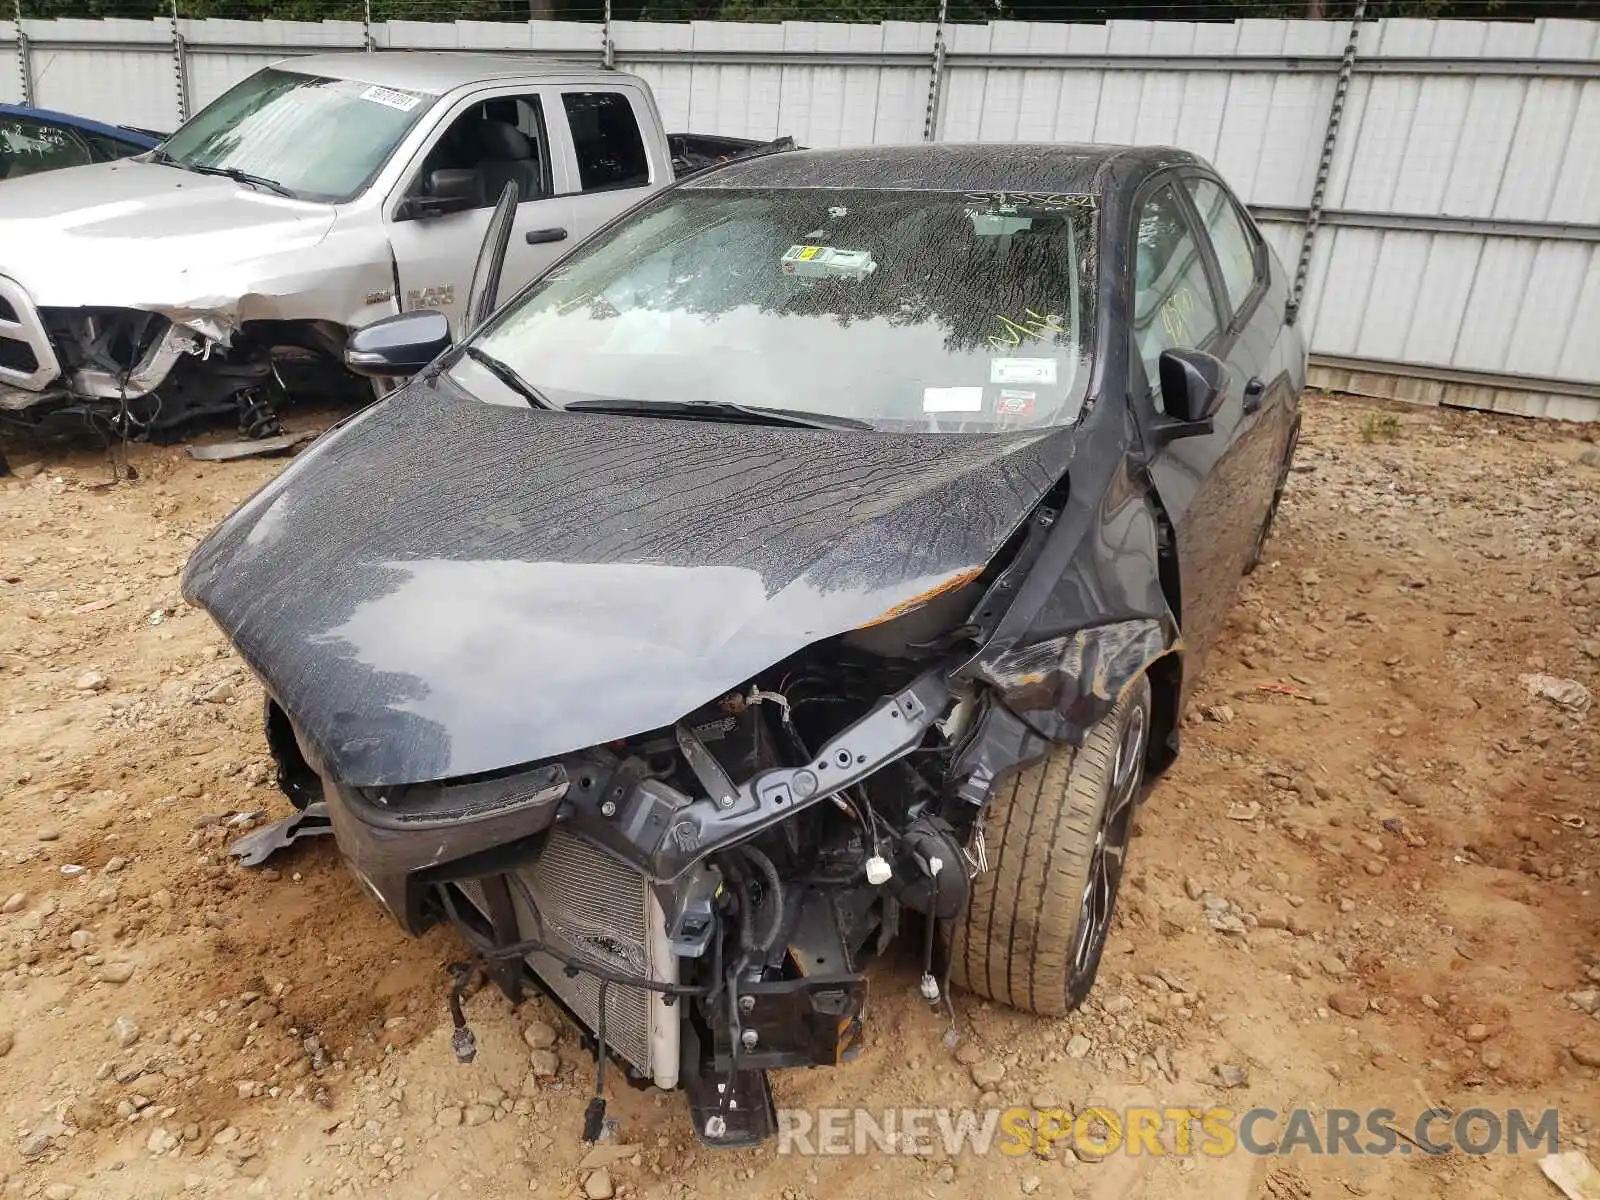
(1202,479)
(1254,323)
(502,135)
(29,145)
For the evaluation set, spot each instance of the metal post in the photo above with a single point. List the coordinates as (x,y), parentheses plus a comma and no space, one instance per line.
(1319,190)
(366,26)
(180,65)
(24,58)
(930,120)
(608,52)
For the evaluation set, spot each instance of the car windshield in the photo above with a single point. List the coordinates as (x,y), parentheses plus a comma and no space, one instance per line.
(907,310)
(321,139)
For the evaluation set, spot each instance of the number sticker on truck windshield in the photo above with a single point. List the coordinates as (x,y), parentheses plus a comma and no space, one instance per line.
(390,98)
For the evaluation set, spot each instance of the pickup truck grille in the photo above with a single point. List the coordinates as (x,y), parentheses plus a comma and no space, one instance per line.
(27,360)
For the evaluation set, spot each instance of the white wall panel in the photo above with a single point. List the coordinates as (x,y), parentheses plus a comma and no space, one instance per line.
(1446,280)
(10,75)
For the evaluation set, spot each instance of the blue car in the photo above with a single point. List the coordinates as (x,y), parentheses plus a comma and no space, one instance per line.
(35,139)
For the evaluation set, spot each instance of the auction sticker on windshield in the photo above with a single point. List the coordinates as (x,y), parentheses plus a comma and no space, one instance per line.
(1013,403)
(390,98)
(1022,370)
(952,399)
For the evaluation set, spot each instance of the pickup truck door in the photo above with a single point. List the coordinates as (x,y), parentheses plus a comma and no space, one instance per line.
(615,148)
(503,133)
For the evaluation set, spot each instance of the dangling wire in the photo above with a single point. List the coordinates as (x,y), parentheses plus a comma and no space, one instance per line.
(462,1041)
(594,1116)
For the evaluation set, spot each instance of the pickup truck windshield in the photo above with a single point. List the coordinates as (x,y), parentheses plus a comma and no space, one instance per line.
(316,138)
(907,310)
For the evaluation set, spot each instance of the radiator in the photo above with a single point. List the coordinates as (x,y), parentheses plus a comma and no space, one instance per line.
(596,909)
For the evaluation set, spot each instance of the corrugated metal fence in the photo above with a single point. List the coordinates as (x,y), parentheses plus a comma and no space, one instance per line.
(1459,254)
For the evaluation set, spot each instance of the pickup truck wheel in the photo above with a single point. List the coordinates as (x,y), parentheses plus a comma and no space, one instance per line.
(1057,837)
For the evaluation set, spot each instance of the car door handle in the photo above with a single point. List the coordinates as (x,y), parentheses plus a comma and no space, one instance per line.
(538,237)
(1253,391)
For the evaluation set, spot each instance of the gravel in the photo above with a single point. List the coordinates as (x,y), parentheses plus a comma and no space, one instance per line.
(540,1035)
(1230,1075)
(1348,1004)
(988,1072)
(1586,1053)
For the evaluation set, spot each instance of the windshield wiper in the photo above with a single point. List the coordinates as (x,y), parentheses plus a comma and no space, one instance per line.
(722,410)
(238,176)
(506,375)
(233,173)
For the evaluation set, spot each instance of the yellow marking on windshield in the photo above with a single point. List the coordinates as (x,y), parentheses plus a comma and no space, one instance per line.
(1033,325)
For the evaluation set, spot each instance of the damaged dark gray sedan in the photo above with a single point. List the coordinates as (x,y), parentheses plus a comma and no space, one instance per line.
(822,552)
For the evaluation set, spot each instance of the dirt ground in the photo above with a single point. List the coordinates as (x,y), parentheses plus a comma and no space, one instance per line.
(1370,881)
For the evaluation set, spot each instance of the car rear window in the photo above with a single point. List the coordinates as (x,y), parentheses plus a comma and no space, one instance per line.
(605,135)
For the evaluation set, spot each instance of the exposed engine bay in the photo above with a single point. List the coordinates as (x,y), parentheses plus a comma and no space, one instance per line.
(704,898)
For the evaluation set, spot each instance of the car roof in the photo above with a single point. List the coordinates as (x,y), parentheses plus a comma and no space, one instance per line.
(436,72)
(120,132)
(1052,167)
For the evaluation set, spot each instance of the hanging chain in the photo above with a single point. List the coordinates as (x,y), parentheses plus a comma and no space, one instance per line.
(1320,189)
(930,120)
(24,63)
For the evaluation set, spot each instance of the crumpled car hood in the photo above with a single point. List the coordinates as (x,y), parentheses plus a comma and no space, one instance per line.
(138,235)
(443,586)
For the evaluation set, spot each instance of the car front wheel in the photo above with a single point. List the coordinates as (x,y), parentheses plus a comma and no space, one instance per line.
(1057,836)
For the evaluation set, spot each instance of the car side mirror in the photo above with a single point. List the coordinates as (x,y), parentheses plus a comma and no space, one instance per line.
(1193,386)
(398,346)
(450,189)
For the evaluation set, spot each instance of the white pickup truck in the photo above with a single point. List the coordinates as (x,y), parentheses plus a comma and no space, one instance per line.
(223,270)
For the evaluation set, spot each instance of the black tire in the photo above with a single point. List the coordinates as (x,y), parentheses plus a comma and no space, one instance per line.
(1056,835)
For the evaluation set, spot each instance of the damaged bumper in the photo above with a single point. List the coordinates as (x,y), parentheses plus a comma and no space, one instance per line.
(114,354)
(399,840)
(28,362)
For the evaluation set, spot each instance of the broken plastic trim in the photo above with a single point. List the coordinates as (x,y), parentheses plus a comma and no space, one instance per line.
(1063,685)
(663,832)
(146,375)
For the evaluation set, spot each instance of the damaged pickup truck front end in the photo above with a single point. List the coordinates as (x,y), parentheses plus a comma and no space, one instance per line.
(145,322)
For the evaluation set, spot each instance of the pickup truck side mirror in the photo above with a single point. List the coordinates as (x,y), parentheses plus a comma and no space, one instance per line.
(450,189)
(1193,386)
(398,346)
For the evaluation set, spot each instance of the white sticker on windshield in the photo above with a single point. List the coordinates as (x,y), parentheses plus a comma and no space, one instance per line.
(952,399)
(390,98)
(1022,370)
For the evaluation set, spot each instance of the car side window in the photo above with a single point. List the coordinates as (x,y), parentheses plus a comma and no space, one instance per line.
(606,136)
(1172,302)
(109,149)
(1237,251)
(503,140)
(28,146)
